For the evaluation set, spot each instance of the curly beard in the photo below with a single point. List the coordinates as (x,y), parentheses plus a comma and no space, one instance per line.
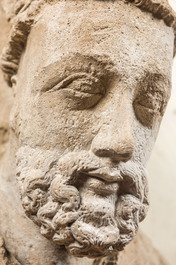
(91,207)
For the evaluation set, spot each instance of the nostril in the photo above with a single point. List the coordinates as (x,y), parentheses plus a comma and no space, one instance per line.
(118,145)
(122,157)
(115,154)
(104,152)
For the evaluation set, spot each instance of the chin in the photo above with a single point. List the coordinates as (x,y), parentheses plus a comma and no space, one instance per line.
(90,209)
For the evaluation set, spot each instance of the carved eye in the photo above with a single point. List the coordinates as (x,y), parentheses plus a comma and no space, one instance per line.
(148,107)
(151,98)
(81,91)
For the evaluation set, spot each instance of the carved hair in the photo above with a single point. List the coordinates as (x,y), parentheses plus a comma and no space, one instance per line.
(22,15)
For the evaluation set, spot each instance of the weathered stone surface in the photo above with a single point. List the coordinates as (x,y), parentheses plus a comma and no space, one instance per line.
(140,251)
(5,257)
(90,83)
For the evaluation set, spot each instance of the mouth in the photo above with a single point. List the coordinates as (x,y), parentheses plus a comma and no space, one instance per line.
(106,174)
(102,181)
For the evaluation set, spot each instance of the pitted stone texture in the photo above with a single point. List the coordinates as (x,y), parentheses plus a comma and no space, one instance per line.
(5,257)
(22,15)
(89,95)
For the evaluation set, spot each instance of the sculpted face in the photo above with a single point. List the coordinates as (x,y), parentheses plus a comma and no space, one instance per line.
(91,90)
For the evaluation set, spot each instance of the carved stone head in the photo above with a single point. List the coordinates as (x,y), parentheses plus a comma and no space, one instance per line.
(91,81)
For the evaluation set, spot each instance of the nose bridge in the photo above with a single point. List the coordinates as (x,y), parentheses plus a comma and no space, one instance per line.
(114,138)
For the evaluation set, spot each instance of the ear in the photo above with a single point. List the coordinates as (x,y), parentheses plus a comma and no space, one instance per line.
(14,82)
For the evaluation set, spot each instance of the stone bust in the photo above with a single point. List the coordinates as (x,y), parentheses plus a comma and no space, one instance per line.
(91,81)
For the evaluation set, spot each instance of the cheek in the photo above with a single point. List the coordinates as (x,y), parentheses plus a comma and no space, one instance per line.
(144,139)
(52,124)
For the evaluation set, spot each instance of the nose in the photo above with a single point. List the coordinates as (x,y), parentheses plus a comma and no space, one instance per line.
(115,141)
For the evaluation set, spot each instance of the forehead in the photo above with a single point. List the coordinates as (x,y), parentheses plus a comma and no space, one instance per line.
(132,39)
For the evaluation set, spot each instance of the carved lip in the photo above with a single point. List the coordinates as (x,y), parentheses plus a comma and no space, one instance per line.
(103,181)
(106,174)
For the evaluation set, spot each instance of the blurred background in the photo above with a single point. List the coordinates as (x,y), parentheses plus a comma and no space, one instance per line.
(160,223)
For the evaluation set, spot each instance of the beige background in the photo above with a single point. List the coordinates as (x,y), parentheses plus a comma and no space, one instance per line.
(160,224)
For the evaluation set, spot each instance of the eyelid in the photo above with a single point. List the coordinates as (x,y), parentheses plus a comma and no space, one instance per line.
(146,112)
(66,81)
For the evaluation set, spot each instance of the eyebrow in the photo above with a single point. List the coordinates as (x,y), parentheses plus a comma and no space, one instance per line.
(95,65)
(152,80)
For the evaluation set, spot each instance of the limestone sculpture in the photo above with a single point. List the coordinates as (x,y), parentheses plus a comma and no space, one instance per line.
(91,81)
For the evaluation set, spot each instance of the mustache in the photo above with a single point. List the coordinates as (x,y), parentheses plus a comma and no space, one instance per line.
(67,170)
(46,166)
(131,177)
